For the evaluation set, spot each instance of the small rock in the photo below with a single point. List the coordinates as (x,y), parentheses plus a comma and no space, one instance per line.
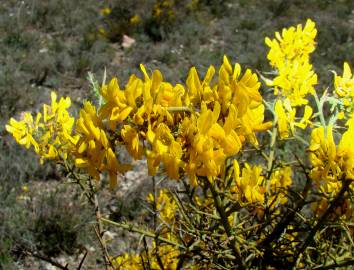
(127,42)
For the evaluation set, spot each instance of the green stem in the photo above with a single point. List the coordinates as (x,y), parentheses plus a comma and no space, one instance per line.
(320,109)
(273,140)
(335,265)
(132,228)
(178,109)
(310,237)
(77,178)
(225,222)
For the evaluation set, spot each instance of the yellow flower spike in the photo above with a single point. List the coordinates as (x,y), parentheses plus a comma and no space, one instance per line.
(293,43)
(289,54)
(208,121)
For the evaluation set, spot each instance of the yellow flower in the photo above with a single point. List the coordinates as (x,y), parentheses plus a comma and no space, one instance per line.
(341,115)
(294,81)
(292,44)
(323,154)
(131,141)
(331,163)
(285,117)
(305,121)
(279,181)
(119,104)
(344,85)
(50,135)
(290,54)
(345,152)
(135,19)
(126,262)
(165,205)
(105,11)
(25,188)
(24,130)
(57,129)
(93,150)
(166,150)
(250,184)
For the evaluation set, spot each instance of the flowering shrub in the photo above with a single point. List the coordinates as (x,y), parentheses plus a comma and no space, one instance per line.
(267,210)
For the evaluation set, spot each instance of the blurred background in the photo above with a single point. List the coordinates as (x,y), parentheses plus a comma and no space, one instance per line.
(53,44)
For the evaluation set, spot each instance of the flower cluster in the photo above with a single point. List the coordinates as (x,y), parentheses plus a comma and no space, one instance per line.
(93,150)
(250,186)
(344,85)
(344,89)
(164,255)
(165,205)
(50,133)
(191,128)
(188,129)
(286,118)
(331,163)
(289,54)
